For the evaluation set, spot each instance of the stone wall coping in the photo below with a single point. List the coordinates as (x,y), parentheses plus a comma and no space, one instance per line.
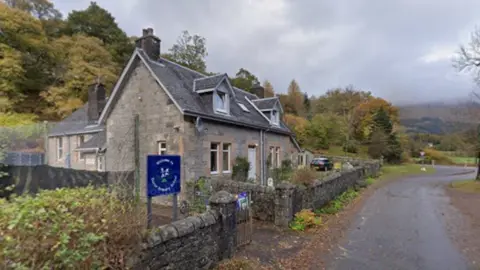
(285,185)
(244,186)
(180,228)
(222,197)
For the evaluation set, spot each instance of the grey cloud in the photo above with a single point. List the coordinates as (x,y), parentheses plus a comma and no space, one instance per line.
(375,45)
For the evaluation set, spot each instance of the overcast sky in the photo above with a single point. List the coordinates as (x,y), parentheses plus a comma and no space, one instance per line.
(400,50)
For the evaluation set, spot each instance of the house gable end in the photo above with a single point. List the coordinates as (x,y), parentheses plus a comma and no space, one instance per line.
(131,66)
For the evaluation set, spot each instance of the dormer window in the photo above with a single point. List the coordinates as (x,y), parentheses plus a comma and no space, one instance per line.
(275,117)
(220,102)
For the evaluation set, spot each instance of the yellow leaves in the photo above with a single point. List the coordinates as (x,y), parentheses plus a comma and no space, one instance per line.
(80,61)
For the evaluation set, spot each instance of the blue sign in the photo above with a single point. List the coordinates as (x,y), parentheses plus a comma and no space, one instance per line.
(242,200)
(163,175)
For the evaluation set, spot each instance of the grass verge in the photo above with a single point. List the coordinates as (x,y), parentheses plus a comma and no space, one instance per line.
(466,186)
(404,170)
(337,205)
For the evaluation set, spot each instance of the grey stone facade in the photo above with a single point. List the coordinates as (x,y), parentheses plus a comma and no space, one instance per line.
(87,161)
(161,121)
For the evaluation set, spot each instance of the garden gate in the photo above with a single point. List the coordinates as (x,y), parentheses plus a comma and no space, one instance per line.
(244,219)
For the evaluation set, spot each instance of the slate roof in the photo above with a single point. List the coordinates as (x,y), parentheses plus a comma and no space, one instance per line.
(208,82)
(179,83)
(76,123)
(265,103)
(98,140)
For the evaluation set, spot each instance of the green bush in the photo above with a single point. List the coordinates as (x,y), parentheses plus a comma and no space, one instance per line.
(240,169)
(439,157)
(337,205)
(350,147)
(305,219)
(81,228)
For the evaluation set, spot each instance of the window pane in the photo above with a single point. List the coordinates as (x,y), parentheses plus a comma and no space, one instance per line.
(213,161)
(226,147)
(226,162)
(214,146)
(163,145)
(220,101)
(226,157)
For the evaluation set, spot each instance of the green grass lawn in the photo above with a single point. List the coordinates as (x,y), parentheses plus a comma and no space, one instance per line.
(467,186)
(338,151)
(405,169)
(463,160)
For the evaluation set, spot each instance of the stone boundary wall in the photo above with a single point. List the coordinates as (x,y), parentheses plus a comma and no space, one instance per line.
(202,241)
(31,179)
(290,199)
(262,197)
(196,242)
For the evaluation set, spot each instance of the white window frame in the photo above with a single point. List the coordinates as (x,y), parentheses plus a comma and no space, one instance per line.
(272,157)
(275,117)
(216,151)
(227,151)
(226,102)
(80,140)
(101,163)
(160,149)
(59,148)
(244,108)
(277,157)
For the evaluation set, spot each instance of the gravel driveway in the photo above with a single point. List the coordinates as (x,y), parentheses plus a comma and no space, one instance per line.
(402,226)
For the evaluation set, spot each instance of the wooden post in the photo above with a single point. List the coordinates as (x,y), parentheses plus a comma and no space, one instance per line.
(45,144)
(137,157)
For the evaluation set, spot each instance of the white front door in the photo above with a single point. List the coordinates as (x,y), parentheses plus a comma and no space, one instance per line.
(252,159)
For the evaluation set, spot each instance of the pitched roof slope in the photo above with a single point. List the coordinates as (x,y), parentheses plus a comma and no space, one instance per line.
(76,123)
(179,83)
(98,140)
(265,103)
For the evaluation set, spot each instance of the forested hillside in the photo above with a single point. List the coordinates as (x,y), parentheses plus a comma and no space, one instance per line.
(47,60)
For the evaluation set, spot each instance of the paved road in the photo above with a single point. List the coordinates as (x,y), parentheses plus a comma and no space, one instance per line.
(402,226)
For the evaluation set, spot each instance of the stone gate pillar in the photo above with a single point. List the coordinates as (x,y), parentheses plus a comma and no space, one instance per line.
(226,205)
(284,204)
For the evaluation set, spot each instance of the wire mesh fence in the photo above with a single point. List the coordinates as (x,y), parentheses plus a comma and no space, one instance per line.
(23,144)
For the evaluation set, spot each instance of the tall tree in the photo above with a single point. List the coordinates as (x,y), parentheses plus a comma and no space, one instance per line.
(295,98)
(269,92)
(468,59)
(98,22)
(26,59)
(307,105)
(189,51)
(41,9)
(80,61)
(244,79)
(364,116)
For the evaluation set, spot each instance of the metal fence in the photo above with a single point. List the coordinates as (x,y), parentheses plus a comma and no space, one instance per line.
(24,159)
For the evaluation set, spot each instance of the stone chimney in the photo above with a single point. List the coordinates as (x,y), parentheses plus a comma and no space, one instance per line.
(258,90)
(96,101)
(149,43)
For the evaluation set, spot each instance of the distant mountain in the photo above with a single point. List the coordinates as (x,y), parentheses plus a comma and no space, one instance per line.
(439,117)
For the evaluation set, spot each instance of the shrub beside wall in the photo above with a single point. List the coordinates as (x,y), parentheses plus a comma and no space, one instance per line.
(81,228)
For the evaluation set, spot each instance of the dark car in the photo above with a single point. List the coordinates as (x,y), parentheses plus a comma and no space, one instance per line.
(321,164)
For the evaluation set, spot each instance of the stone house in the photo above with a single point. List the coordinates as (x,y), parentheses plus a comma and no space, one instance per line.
(201,118)
(78,142)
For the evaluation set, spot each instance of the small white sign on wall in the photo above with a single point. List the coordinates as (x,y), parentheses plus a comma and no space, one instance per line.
(270,182)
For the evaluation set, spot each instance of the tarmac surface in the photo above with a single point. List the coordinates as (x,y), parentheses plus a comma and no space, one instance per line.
(403,226)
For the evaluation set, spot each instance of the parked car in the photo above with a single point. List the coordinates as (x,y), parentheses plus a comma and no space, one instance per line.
(321,164)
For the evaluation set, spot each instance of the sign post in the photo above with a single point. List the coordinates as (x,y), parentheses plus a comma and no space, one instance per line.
(163,178)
